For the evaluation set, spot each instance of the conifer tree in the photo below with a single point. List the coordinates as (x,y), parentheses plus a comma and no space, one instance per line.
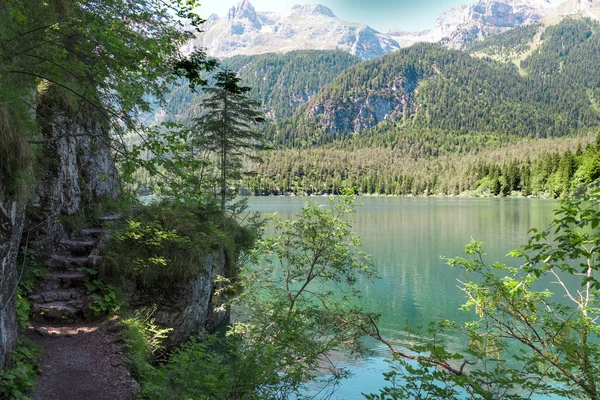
(229,126)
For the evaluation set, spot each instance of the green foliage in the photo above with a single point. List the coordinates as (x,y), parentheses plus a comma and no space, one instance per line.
(105,297)
(18,381)
(197,370)
(93,59)
(417,162)
(164,243)
(144,340)
(280,82)
(527,341)
(228,128)
(513,42)
(22,308)
(294,317)
(170,163)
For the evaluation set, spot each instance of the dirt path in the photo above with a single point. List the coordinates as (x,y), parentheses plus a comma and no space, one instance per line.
(82,361)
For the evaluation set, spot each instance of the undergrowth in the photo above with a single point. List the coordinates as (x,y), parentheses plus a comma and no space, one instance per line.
(166,243)
(200,369)
(15,156)
(18,381)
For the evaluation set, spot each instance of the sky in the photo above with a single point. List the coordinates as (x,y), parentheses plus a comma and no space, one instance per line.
(382,15)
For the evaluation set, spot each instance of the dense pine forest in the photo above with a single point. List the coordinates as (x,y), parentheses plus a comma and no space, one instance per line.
(281,82)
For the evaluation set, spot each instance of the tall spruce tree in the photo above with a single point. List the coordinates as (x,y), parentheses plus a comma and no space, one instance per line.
(229,126)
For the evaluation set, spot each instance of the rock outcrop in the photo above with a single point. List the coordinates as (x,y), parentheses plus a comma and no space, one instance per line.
(11,228)
(465,24)
(360,109)
(78,170)
(306,27)
(315,27)
(187,308)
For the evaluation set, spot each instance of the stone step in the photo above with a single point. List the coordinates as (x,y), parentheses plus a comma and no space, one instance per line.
(63,280)
(67,263)
(111,217)
(77,247)
(59,310)
(86,234)
(52,296)
(93,232)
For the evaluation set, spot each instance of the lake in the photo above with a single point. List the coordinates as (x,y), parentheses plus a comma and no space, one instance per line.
(406,237)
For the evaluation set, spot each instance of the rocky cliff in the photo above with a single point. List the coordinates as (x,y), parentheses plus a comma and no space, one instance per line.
(465,24)
(78,170)
(306,27)
(315,27)
(74,171)
(188,308)
(11,227)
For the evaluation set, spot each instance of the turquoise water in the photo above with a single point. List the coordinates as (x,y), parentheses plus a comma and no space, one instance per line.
(406,237)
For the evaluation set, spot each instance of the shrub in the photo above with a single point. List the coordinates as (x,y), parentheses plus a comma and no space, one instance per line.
(164,243)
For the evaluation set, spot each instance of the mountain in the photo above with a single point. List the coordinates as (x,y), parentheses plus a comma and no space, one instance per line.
(280,82)
(582,8)
(465,24)
(555,92)
(244,31)
(429,120)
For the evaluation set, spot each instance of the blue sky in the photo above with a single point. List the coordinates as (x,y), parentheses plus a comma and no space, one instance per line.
(410,15)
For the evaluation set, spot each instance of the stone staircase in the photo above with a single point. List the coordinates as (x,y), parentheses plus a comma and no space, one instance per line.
(61,294)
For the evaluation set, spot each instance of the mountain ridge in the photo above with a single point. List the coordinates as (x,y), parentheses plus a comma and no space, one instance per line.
(245,31)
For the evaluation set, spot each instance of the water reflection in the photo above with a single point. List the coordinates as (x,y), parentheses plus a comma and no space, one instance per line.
(406,237)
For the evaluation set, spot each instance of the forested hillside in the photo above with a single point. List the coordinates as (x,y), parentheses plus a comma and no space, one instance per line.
(427,86)
(423,106)
(550,167)
(281,82)
(428,120)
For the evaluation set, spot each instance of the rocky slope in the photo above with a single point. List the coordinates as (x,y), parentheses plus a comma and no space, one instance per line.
(315,27)
(554,91)
(465,24)
(245,31)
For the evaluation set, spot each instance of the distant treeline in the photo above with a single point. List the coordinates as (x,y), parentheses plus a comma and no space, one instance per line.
(552,168)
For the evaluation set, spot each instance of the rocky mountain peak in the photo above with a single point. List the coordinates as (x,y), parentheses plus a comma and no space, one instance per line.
(306,27)
(585,8)
(243,18)
(315,27)
(464,24)
(244,9)
(313,9)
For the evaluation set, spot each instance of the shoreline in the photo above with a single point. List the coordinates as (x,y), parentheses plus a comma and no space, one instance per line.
(461,195)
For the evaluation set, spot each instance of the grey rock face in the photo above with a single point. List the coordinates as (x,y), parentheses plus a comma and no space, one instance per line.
(366,110)
(313,9)
(315,27)
(464,24)
(79,172)
(11,228)
(305,27)
(189,308)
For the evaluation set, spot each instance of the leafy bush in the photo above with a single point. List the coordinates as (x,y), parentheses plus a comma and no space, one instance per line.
(105,299)
(164,243)
(527,341)
(19,381)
